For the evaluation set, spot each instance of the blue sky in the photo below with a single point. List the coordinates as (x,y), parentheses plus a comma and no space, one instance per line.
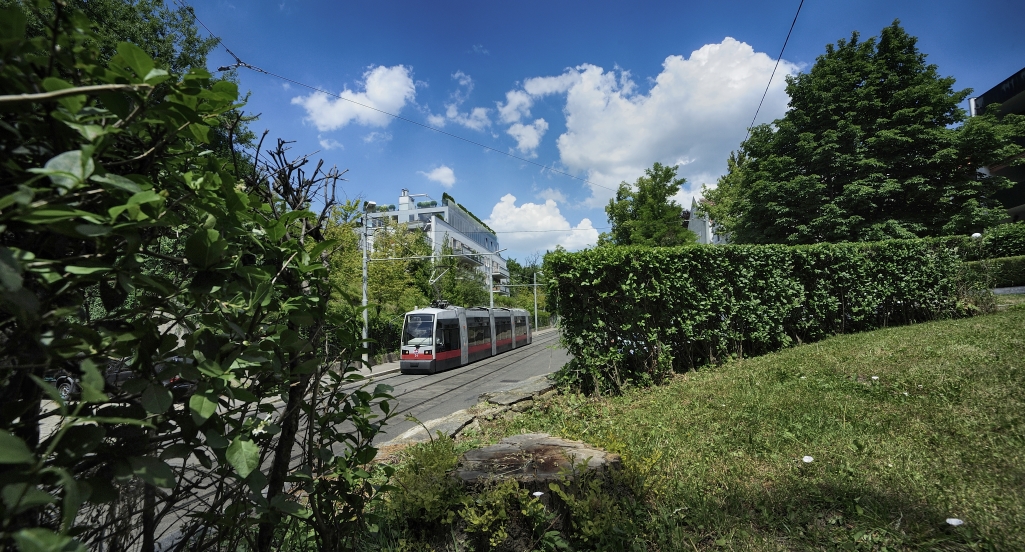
(599,90)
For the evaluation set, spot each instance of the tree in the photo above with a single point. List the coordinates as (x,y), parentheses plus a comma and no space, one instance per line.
(646,214)
(874,146)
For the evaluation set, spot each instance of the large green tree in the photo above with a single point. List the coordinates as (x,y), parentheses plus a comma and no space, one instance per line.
(874,146)
(646,214)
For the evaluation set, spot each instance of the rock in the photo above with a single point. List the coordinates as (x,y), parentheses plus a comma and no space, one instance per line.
(532,459)
(523,406)
(449,425)
(521,391)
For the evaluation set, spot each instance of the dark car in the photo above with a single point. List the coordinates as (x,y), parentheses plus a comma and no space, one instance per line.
(118,372)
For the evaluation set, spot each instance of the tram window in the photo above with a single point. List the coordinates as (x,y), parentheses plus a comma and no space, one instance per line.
(479,329)
(447,336)
(521,325)
(503,328)
(418,330)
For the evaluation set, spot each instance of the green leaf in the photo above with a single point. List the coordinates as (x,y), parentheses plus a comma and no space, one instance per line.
(92,383)
(156,399)
(204,248)
(10,270)
(83,270)
(19,497)
(137,59)
(153,471)
(12,24)
(44,540)
(92,230)
(244,456)
(156,76)
(320,247)
(13,450)
(202,406)
(68,169)
(117,181)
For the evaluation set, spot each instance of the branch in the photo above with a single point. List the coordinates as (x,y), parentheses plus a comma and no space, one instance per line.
(57,94)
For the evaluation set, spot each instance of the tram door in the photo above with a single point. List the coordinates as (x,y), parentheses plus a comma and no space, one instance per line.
(463,340)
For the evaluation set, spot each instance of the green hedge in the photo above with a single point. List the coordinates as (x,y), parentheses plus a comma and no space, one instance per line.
(1006,240)
(1002,272)
(632,315)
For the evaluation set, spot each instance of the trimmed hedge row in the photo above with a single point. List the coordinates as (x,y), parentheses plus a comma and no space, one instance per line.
(1003,272)
(631,315)
(1006,240)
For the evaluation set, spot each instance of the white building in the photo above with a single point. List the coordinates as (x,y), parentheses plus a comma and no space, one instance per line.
(448,223)
(704,228)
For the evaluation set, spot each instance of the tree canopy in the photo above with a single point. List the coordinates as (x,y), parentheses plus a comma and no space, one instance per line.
(874,146)
(646,214)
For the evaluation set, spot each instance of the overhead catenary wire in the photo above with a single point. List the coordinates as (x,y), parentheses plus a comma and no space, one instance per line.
(240,63)
(778,58)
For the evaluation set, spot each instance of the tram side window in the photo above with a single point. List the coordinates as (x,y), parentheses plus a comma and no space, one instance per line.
(503,328)
(479,329)
(521,326)
(447,336)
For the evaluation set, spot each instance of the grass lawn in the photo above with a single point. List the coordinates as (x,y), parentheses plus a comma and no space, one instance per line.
(906,427)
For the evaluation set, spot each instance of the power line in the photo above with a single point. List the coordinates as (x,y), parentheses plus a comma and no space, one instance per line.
(240,63)
(794,22)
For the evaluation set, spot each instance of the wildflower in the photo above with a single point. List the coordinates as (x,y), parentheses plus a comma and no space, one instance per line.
(537,494)
(807,459)
(954,522)
(874,378)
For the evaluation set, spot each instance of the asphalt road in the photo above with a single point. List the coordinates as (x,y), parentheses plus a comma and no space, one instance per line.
(427,397)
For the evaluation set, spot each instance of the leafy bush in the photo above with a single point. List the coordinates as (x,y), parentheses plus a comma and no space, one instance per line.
(632,315)
(1002,272)
(1005,240)
(423,491)
(123,236)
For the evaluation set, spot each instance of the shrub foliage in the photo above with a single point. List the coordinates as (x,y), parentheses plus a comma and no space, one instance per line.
(632,315)
(125,240)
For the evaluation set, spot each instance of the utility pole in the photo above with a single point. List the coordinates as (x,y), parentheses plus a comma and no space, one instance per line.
(535,299)
(367,207)
(491,280)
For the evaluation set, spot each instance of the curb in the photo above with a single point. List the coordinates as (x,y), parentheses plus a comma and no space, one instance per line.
(517,397)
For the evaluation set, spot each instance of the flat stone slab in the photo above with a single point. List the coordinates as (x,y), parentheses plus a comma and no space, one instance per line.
(1016,290)
(526,389)
(532,458)
(449,425)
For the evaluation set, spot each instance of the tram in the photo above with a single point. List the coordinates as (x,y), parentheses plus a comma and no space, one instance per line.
(443,336)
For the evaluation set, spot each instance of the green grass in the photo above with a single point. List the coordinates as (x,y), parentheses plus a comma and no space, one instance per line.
(940,434)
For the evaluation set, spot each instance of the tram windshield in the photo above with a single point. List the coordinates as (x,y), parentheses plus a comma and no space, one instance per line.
(418,329)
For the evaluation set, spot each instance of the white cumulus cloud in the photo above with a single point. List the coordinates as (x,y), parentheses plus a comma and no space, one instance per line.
(696,111)
(330,144)
(384,88)
(538,227)
(477,118)
(528,137)
(442,175)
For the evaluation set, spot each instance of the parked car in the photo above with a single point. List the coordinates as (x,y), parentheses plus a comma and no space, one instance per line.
(118,372)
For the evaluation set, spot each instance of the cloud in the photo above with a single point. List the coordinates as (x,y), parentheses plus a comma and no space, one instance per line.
(442,175)
(384,88)
(479,49)
(330,144)
(538,227)
(528,137)
(376,136)
(475,119)
(552,194)
(517,104)
(696,111)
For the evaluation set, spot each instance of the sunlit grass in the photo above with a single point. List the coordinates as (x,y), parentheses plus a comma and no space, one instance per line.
(907,427)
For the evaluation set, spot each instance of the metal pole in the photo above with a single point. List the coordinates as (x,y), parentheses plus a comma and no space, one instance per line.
(366,313)
(491,282)
(535,299)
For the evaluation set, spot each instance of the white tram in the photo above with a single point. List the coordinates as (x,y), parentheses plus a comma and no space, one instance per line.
(443,337)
